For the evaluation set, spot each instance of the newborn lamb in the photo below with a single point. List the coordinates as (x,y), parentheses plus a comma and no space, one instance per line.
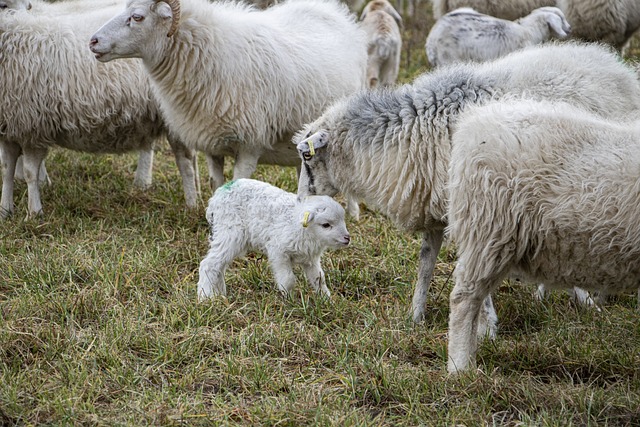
(252,215)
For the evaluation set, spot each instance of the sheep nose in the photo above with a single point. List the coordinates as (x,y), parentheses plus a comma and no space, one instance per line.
(93,41)
(347,238)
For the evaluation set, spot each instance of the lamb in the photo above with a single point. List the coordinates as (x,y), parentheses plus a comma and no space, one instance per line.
(68,100)
(236,81)
(548,191)
(510,10)
(381,22)
(466,35)
(248,214)
(612,22)
(391,147)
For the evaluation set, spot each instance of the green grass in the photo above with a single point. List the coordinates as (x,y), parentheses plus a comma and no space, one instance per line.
(99,323)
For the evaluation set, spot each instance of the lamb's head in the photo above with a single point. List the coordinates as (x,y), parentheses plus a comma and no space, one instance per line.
(554,18)
(138,31)
(323,221)
(15,5)
(315,177)
(384,6)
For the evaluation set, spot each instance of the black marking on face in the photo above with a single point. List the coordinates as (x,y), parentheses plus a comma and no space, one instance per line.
(310,185)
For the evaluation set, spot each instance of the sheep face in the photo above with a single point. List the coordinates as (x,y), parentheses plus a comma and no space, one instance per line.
(323,219)
(314,176)
(135,33)
(556,20)
(15,5)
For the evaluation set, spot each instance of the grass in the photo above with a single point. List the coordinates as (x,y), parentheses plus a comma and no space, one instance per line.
(99,324)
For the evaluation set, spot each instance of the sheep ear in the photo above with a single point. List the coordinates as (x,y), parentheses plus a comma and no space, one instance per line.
(364,13)
(556,24)
(307,147)
(395,15)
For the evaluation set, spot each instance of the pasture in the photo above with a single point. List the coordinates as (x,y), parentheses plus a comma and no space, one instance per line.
(99,323)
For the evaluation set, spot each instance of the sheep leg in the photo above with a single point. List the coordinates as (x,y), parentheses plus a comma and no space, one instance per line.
(315,276)
(186,160)
(10,153)
(33,158)
(431,242)
(353,208)
(215,164)
(283,272)
(43,178)
(143,177)
(488,321)
(465,301)
(212,268)
(246,163)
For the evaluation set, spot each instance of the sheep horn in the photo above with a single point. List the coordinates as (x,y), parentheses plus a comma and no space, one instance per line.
(175,11)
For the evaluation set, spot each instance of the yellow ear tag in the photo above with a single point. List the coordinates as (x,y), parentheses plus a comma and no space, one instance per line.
(312,151)
(305,219)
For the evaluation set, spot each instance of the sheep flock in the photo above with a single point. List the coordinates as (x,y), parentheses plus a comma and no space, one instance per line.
(521,149)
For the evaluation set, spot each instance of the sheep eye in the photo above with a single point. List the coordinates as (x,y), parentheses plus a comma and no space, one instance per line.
(326,225)
(137,18)
(306,155)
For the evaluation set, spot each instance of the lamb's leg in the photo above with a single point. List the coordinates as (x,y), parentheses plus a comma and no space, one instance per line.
(10,154)
(143,177)
(215,165)
(283,272)
(246,163)
(466,300)
(186,160)
(315,277)
(33,158)
(221,253)
(431,242)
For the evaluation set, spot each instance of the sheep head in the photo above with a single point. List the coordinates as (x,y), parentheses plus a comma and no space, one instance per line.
(314,176)
(138,31)
(323,218)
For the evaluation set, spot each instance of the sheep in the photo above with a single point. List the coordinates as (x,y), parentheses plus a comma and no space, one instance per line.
(391,147)
(69,100)
(548,191)
(612,22)
(466,35)
(252,215)
(15,5)
(236,81)
(382,23)
(510,10)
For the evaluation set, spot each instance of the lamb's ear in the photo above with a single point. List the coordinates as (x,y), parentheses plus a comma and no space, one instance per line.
(558,25)
(308,146)
(307,217)
(395,15)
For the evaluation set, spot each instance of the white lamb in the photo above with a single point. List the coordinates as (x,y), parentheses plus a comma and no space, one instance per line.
(251,215)
(234,80)
(391,148)
(66,99)
(548,192)
(511,10)
(466,35)
(608,21)
(382,23)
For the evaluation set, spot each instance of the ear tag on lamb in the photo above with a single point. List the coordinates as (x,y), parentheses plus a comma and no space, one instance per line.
(305,219)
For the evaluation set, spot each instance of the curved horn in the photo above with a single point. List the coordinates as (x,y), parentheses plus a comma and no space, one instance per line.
(175,12)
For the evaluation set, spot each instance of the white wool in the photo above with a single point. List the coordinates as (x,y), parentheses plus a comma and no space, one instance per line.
(511,9)
(548,192)
(251,215)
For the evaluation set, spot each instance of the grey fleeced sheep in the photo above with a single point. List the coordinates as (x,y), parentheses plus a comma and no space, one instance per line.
(612,22)
(236,81)
(548,192)
(466,35)
(382,23)
(66,99)
(511,10)
(391,148)
(251,215)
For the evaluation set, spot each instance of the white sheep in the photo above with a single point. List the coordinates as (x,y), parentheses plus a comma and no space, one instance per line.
(546,191)
(67,99)
(252,215)
(382,23)
(612,22)
(466,35)
(391,148)
(236,81)
(511,10)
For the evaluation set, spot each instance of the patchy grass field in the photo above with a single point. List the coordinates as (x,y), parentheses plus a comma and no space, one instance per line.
(99,323)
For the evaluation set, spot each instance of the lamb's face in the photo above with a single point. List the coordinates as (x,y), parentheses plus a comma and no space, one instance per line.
(315,177)
(134,33)
(324,221)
